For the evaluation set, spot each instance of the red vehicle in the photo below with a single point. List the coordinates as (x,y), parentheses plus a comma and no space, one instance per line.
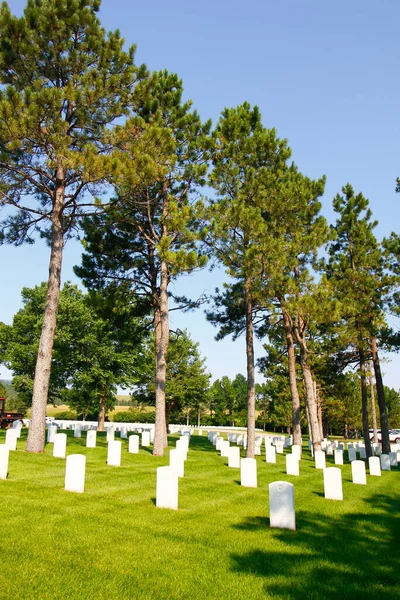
(8,418)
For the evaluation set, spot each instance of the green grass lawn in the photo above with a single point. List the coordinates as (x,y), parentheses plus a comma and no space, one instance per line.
(113,543)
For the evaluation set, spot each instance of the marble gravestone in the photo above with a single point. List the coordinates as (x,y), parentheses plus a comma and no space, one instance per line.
(374,466)
(333,488)
(133,444)
(338,457)
(110,434)
(4,455)
(177,462)
(292,464)
(281,505)
(234,457)
(167,488)
(248,472)
(91,437)
(77,431)
(75,467)
(11,439)
(114,453)
(60,445)
(270,454)
(358,472)
(320,460)
(385,462)
(145,438)
(296,451)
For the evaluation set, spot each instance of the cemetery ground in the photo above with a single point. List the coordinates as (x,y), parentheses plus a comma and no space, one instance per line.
(112,542)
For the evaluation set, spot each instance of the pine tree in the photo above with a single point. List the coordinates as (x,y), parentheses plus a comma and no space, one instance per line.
(65,81)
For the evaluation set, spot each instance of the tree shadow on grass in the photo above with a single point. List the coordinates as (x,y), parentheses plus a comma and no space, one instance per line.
(347,556)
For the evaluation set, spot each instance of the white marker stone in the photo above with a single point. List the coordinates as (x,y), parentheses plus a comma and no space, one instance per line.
(225,449)
(234,457)
(133,446)
(123,433)
(182,447)
(4,454)
(51,433)
(292,464)
(77,431)
(358,472)
(200,432)
(385,462)
(60,445)
(333,483)
(17,425)
(279,447)
(374,466)
(167,488)
(352,454)
(114,453)
(296,451)
(281,505)
(145,438)
(75,466)
(338,457)
(177,462)
(362,451)
(91,438)
(248,472)
(320,461)
(11,439)
(393,459)
(270,454)
(219,443)
(110,434)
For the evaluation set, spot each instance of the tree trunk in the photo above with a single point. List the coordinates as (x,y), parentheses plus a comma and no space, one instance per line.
(380,392)
(161,327)
(198,418)
(364,402)
(294,392)
(102,414)
(373,408)
(310,396)
(319,410)
(36,434)
(251,393)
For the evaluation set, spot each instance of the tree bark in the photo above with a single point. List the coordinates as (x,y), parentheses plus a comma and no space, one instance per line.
(161,327)
(380,392)
(294,392)
(364,402)
(319,410)
(373,408)
(251,393)
(102,414)
(36,434)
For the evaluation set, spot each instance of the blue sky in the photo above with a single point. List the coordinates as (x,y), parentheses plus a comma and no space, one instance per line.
(324,74)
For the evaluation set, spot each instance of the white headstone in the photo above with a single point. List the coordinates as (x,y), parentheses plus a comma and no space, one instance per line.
(91,438)
(374,466)
(75,466)
(77,431)
(114,453)
(320,461)
(133,447)
(145,438)
(292,464)
(385,462)
(124,433)
(296,451)
(200,432)
(248,472)
(329,449)
(219,443)
(352,454)
(270,454)
(393,459)
(234,457)
(358,472)
(51,432)
(281,505)
(17,425)
(225,449)
(362,452)
(167,488)
(11,439)
(60,445)
(110,434)
(182,447)
(177,462)
(338,457)
(4,454)
(279,447)
(333,483)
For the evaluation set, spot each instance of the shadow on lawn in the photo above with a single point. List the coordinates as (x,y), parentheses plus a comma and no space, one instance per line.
(350,556)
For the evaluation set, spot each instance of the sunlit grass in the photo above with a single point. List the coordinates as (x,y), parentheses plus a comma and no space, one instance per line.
(112,542)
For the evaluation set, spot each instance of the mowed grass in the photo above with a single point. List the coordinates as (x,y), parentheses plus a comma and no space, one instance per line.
(112,542)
